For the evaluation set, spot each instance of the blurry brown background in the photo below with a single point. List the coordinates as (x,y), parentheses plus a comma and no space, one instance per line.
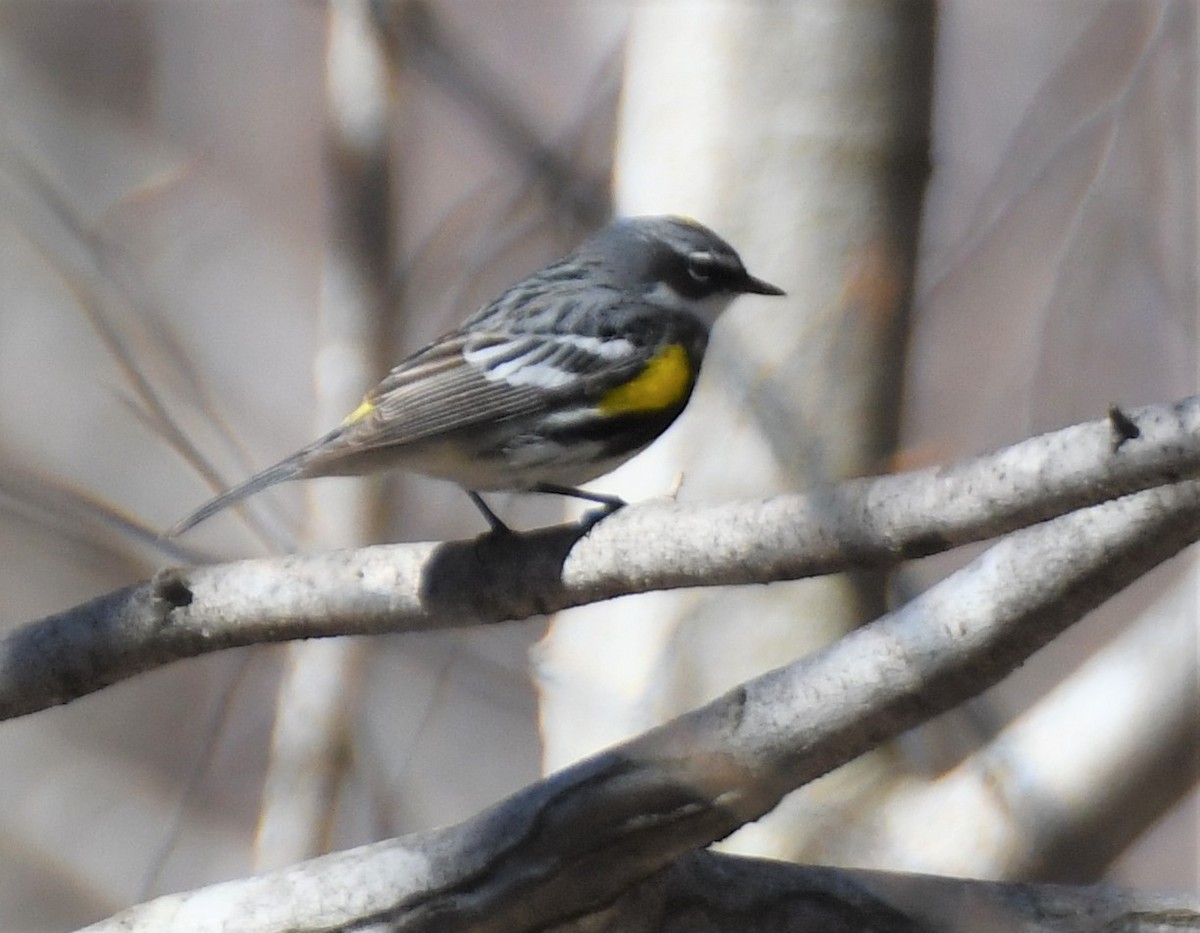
(163,192)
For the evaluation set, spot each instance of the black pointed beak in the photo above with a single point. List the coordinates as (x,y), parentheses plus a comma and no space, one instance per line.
(752,286)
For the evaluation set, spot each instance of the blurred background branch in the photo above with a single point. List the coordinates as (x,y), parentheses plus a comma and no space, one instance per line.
(181,233)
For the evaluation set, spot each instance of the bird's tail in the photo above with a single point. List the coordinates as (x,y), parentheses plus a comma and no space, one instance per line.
(291,468)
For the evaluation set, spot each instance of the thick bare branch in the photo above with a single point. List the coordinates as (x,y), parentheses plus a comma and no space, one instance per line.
(728,894)
(573,844)
(864,523)
(1067,786)
(723,894)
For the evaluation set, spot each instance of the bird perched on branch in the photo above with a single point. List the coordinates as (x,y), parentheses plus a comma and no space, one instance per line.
(559,380)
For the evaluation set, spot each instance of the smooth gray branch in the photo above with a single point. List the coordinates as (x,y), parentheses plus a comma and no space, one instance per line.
(871,522)
(577,842)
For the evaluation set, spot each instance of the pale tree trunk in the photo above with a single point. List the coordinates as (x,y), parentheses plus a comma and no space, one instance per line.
(799,133)
(310,744)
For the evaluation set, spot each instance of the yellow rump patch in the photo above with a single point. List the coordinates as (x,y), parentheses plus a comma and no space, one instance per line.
(662,384)
(360,412)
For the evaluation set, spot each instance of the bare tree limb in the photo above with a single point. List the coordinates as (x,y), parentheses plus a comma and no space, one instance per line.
(571,845)
(725,894)
(404,587)
(728,894)
(1066,786)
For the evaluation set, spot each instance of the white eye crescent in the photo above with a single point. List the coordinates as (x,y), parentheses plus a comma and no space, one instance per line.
(700,266)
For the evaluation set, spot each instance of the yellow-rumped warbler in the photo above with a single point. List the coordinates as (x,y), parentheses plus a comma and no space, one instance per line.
(566,375)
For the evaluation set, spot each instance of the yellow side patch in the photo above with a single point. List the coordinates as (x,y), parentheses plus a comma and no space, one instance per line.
(360,412)
(662,384)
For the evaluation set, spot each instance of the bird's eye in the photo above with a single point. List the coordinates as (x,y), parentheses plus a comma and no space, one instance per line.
(700,266)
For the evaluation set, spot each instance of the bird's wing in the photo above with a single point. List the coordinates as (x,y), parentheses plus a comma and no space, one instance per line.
(473,378)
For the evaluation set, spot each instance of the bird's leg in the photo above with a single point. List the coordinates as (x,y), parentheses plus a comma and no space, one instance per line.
(497,527)
(610,503)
